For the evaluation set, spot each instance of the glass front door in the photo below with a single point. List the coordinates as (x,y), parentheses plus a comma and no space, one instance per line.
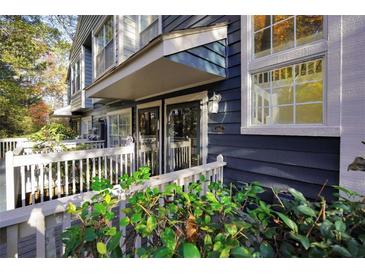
(183,136)
(149,139)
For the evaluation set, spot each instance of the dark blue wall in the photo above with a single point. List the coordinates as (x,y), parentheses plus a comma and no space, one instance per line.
(305,163)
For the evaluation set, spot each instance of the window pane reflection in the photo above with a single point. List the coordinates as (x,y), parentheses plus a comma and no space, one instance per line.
(277,32)
(283,35)
(278,94)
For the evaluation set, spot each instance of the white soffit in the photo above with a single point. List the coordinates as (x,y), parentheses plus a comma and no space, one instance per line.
(62,112)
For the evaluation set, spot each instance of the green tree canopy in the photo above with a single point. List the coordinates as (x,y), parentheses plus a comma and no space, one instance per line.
(33,66)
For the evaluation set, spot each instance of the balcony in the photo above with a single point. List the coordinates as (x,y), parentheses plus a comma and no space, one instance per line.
(199,55)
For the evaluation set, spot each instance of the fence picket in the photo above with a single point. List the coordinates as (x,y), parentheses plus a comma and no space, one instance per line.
(81,175)
(73,177)
(50,181)
(41,182)
(22,178)
(10,220)
(66,178)
(87,174)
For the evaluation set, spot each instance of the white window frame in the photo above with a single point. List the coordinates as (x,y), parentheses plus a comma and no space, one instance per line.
(94,33)
(152,104)
(118,112)
(328,48)
(140,30)
(81,70)
(86,120)
(203,98)
(120,31)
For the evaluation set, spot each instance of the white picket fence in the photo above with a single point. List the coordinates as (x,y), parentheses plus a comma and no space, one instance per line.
(39,177)
(9,144)
(46,220)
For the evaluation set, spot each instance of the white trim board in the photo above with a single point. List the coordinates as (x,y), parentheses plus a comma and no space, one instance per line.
(203,98)
(328,48)
(154,104)
(293,131)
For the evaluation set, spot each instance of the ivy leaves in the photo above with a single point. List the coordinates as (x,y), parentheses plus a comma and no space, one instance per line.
(224,222)
(190,251)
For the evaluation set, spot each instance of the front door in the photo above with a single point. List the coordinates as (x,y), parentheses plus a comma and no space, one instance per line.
(149,138)
(183,128)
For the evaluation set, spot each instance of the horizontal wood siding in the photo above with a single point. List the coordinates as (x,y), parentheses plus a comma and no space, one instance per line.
(88,75)
(305,163)
(210,58)
(85,25)
(76,101)
(88,67)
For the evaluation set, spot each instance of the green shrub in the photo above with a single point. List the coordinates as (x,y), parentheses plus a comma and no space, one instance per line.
(224,222)
(53,132)
(49,137)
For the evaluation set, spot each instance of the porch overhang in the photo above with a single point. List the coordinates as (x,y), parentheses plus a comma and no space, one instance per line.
(172,61)
(64,112)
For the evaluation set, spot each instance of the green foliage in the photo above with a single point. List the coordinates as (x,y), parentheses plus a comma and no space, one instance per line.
(33,64)
(49,137)
(224,222)
(138,177)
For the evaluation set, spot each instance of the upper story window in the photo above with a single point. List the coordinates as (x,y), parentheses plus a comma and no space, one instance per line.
(275,33)
(104,47)
(76,78)
(148,28)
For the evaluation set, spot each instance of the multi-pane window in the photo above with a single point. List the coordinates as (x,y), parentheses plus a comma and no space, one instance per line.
(120,127)
(76,77)
(275,33)
(104,42)
(148,28)
(86,127)
(288,94)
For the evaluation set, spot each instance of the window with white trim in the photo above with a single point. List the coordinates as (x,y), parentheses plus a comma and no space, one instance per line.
(86,127)
(275,33)
(104,47)
(76,76)
(136,32)
(148,28)
(288,95)
(120,127)
(286,86)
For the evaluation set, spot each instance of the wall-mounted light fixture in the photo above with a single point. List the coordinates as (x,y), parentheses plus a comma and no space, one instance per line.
(213,104)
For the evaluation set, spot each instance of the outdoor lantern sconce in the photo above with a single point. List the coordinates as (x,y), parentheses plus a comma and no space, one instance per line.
(213,104)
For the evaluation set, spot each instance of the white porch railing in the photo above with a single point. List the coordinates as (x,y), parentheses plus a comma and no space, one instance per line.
(40,177)
(9,144)
(28,146)
(179,155)
(47,220)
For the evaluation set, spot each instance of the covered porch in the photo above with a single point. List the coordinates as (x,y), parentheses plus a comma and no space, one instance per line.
(170,132)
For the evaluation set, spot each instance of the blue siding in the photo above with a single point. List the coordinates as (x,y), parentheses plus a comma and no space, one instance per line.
(88,67)
(204,58)
(88,74)
(305,163)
